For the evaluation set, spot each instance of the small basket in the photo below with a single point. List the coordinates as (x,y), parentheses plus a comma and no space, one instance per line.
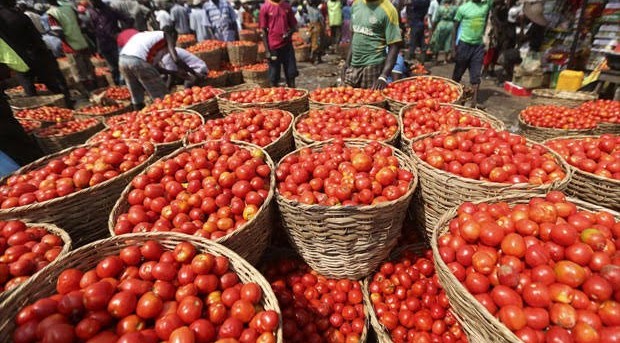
(218,81)
(240,55)
(296,106)
(250,240)
(87,257)
(301,141)
(75,212)
(249,35)
(52,144)
(591,187)
(541,134)
(51,228)
(234,78)
(213,58)
(346,241)
(441,190)
(474,317)
(27,102)
(396,105)
(258,77)
(126,108)
(302,53)
(561,98)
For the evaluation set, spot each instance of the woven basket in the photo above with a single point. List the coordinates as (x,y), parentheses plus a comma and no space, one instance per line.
(250,36)
(213,58)
(27,102)
(88,256)
(81,214)
(13,93)
(103,89)
(240,55)
(218,81)
(603,128)
(302,53)
(315,105)
(474,112)
(346,242)
(234,78)
(396,105)
(250,240)
(52,144)
(296,106)
(541,134)
(51,228)
(301,141)
(126,108)
(441,190)
(591,187)
(561,98)
(207,109)
(258,77)
(474,317)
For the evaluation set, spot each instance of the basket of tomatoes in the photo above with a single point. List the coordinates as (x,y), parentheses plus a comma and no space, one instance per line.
(164,128)
(200,99)
(407,303)
(418,88)
(47,115)
(271,129)
(210,51)
(293,100)
(146,287)
(104,110)
(560,97)
(343,203)
(531,268)
(28,249)
(65,134)
(114,93)
(218,190)
(607,113)
(346,97)
(242,53)
(186,40)
(595,163)
(467,164)
(75,188)
(18,92)
(29,125)
(542,122)
(256,73)
(33,102)
(363,122)
(249,35)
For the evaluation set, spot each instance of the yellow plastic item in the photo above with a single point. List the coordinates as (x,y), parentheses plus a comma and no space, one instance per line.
(569,80)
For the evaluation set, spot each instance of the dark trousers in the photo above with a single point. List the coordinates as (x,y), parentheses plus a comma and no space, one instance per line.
(336,34)
(13,140)
(46,71)
(111,57)
(468,56)
(536,35)
(285,58)
(416,39)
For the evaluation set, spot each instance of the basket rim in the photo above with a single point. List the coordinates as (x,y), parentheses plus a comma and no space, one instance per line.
(97,118)
(458,86)
(224,97)
(188,107)
(49,98)
(44,159)
(305,114)
(553,130)
(488,117)
(483,183)
(442,227)
(402,159)
(564,95)
(577,170)
(264,207)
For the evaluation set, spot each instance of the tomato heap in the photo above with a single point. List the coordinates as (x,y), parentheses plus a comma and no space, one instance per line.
(186,38)
(547,270)
(29,125)
(256,67)
(410,302)
(212,74)
(67,127)
(559,117)
(429,116)
(184,98)
(98,110)
(24,251)
(206,45)
(81,168)
(117,93)
(273,94)
(337,122)
(158,127)
(241,43)
(150,294)
(257,126)
(338,174)
(422,88)
(39,87)
(209,191)
(489,155)
(46,113)
(604,111)
(346,95)
(316,309)
(600,156)
(128,116)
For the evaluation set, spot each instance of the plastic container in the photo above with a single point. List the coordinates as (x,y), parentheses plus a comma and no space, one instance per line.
(569,80)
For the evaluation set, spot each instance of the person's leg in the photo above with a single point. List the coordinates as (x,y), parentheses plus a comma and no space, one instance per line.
(48,72)
(475,66)
(126,67)
(274,72)
(26,80)
(461,62)
(352,76)
(111,57)
(418,40)
(290,65)
(411,53)
(13,140)
(151,80)
(370,74)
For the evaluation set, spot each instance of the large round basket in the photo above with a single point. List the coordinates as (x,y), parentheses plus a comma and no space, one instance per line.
(603,128)
(126,107)
(51,228)
(441,190)
(318,104)
(346,241)
(296,106)
(213,58)
(240,55)
(249,35)
(98,91)
(396,105)
(561,98)
(207,109)
(258,77)
(301,141)
(52,144)
(541,134)
(87,257)
(250,240)
(302,53)
(590,187)
(234,77)
(474,112)
(475,317)
(82,214)
(28,102)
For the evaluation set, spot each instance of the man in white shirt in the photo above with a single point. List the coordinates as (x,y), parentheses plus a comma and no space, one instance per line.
(163,17)
(168,66)
(197,18)
(180,17)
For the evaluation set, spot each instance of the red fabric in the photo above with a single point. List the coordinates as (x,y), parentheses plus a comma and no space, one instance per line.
(489,56)
(124,37)
(277,18)
(66,48)
(159,46)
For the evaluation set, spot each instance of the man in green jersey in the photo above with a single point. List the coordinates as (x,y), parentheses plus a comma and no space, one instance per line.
(469,53)
(374,24)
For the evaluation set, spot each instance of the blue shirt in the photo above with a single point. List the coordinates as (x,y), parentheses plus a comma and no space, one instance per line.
(222,19)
